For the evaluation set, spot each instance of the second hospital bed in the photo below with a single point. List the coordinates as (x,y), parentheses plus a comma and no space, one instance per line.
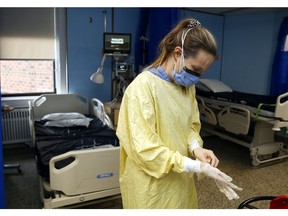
(250,120)
(76,163)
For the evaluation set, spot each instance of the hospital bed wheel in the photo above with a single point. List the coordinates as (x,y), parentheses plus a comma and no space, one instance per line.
(264,158)
(19,169)
(255,162)
(48,194)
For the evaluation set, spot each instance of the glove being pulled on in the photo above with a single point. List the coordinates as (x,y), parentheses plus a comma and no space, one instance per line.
(223,181)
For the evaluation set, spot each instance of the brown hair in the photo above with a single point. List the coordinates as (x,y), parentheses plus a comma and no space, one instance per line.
(197,38)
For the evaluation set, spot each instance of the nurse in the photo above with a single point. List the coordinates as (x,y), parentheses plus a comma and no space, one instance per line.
(159,126)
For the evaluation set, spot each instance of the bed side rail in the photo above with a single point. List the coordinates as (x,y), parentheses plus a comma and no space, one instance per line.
(281,112)
(206,114)
(235,119)
(99,111)
(91,170)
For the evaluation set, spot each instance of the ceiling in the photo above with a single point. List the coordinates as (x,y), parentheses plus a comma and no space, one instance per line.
(237,11)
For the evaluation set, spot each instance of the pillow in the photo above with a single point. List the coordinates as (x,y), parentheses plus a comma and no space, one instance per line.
(202,87)
(69,123)
(62,116)
(216,85)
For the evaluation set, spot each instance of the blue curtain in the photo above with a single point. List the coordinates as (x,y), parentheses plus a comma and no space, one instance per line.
(154,24)
(141,44)
(279,79)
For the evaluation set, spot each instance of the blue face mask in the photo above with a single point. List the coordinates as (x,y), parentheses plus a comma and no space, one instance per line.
(184,78)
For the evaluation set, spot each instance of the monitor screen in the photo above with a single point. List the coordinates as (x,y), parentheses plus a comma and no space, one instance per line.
(117,43)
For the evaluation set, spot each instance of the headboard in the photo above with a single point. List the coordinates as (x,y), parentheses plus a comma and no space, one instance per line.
(58,103)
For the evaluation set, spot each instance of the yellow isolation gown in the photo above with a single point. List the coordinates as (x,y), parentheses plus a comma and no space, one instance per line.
(157,121)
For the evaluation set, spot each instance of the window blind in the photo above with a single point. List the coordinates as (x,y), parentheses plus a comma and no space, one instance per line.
(27,33)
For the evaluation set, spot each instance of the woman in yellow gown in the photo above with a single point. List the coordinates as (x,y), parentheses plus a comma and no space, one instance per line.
(159,126)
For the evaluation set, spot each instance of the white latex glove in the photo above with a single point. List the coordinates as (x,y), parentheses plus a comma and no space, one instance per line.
(227,189)
(222,180)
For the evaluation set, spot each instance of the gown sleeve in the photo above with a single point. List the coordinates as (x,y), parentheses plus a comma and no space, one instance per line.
(196,124)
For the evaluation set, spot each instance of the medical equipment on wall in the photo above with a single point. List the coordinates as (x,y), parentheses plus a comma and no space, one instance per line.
(122,75)
(117,43)
(118,46)
(98,76)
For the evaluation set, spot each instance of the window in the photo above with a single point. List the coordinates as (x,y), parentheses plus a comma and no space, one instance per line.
(27,41)
(33,52)
(27,77)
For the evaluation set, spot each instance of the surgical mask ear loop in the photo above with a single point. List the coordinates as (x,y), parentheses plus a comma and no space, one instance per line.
(174,66)
(171,76)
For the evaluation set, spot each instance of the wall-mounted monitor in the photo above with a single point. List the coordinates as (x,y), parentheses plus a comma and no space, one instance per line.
(117,43)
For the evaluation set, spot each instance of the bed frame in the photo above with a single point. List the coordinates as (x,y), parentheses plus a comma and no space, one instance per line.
(235,123)
(93,175)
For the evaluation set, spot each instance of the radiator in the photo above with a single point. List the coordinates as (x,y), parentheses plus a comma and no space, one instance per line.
(15,127)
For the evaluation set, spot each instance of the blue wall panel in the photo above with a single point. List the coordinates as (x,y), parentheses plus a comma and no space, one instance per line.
(126,20)
(249,48)
(85,43)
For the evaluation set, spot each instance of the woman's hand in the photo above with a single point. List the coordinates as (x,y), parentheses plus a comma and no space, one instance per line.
(206,156)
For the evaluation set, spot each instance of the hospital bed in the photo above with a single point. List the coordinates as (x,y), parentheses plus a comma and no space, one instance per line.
(76,164)
(247,119)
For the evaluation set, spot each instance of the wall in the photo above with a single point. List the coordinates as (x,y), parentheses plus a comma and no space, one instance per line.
(85,29)
(125,21)
(248,51)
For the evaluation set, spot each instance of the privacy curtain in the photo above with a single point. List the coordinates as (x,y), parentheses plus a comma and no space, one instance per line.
(153,25)
(279,79)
